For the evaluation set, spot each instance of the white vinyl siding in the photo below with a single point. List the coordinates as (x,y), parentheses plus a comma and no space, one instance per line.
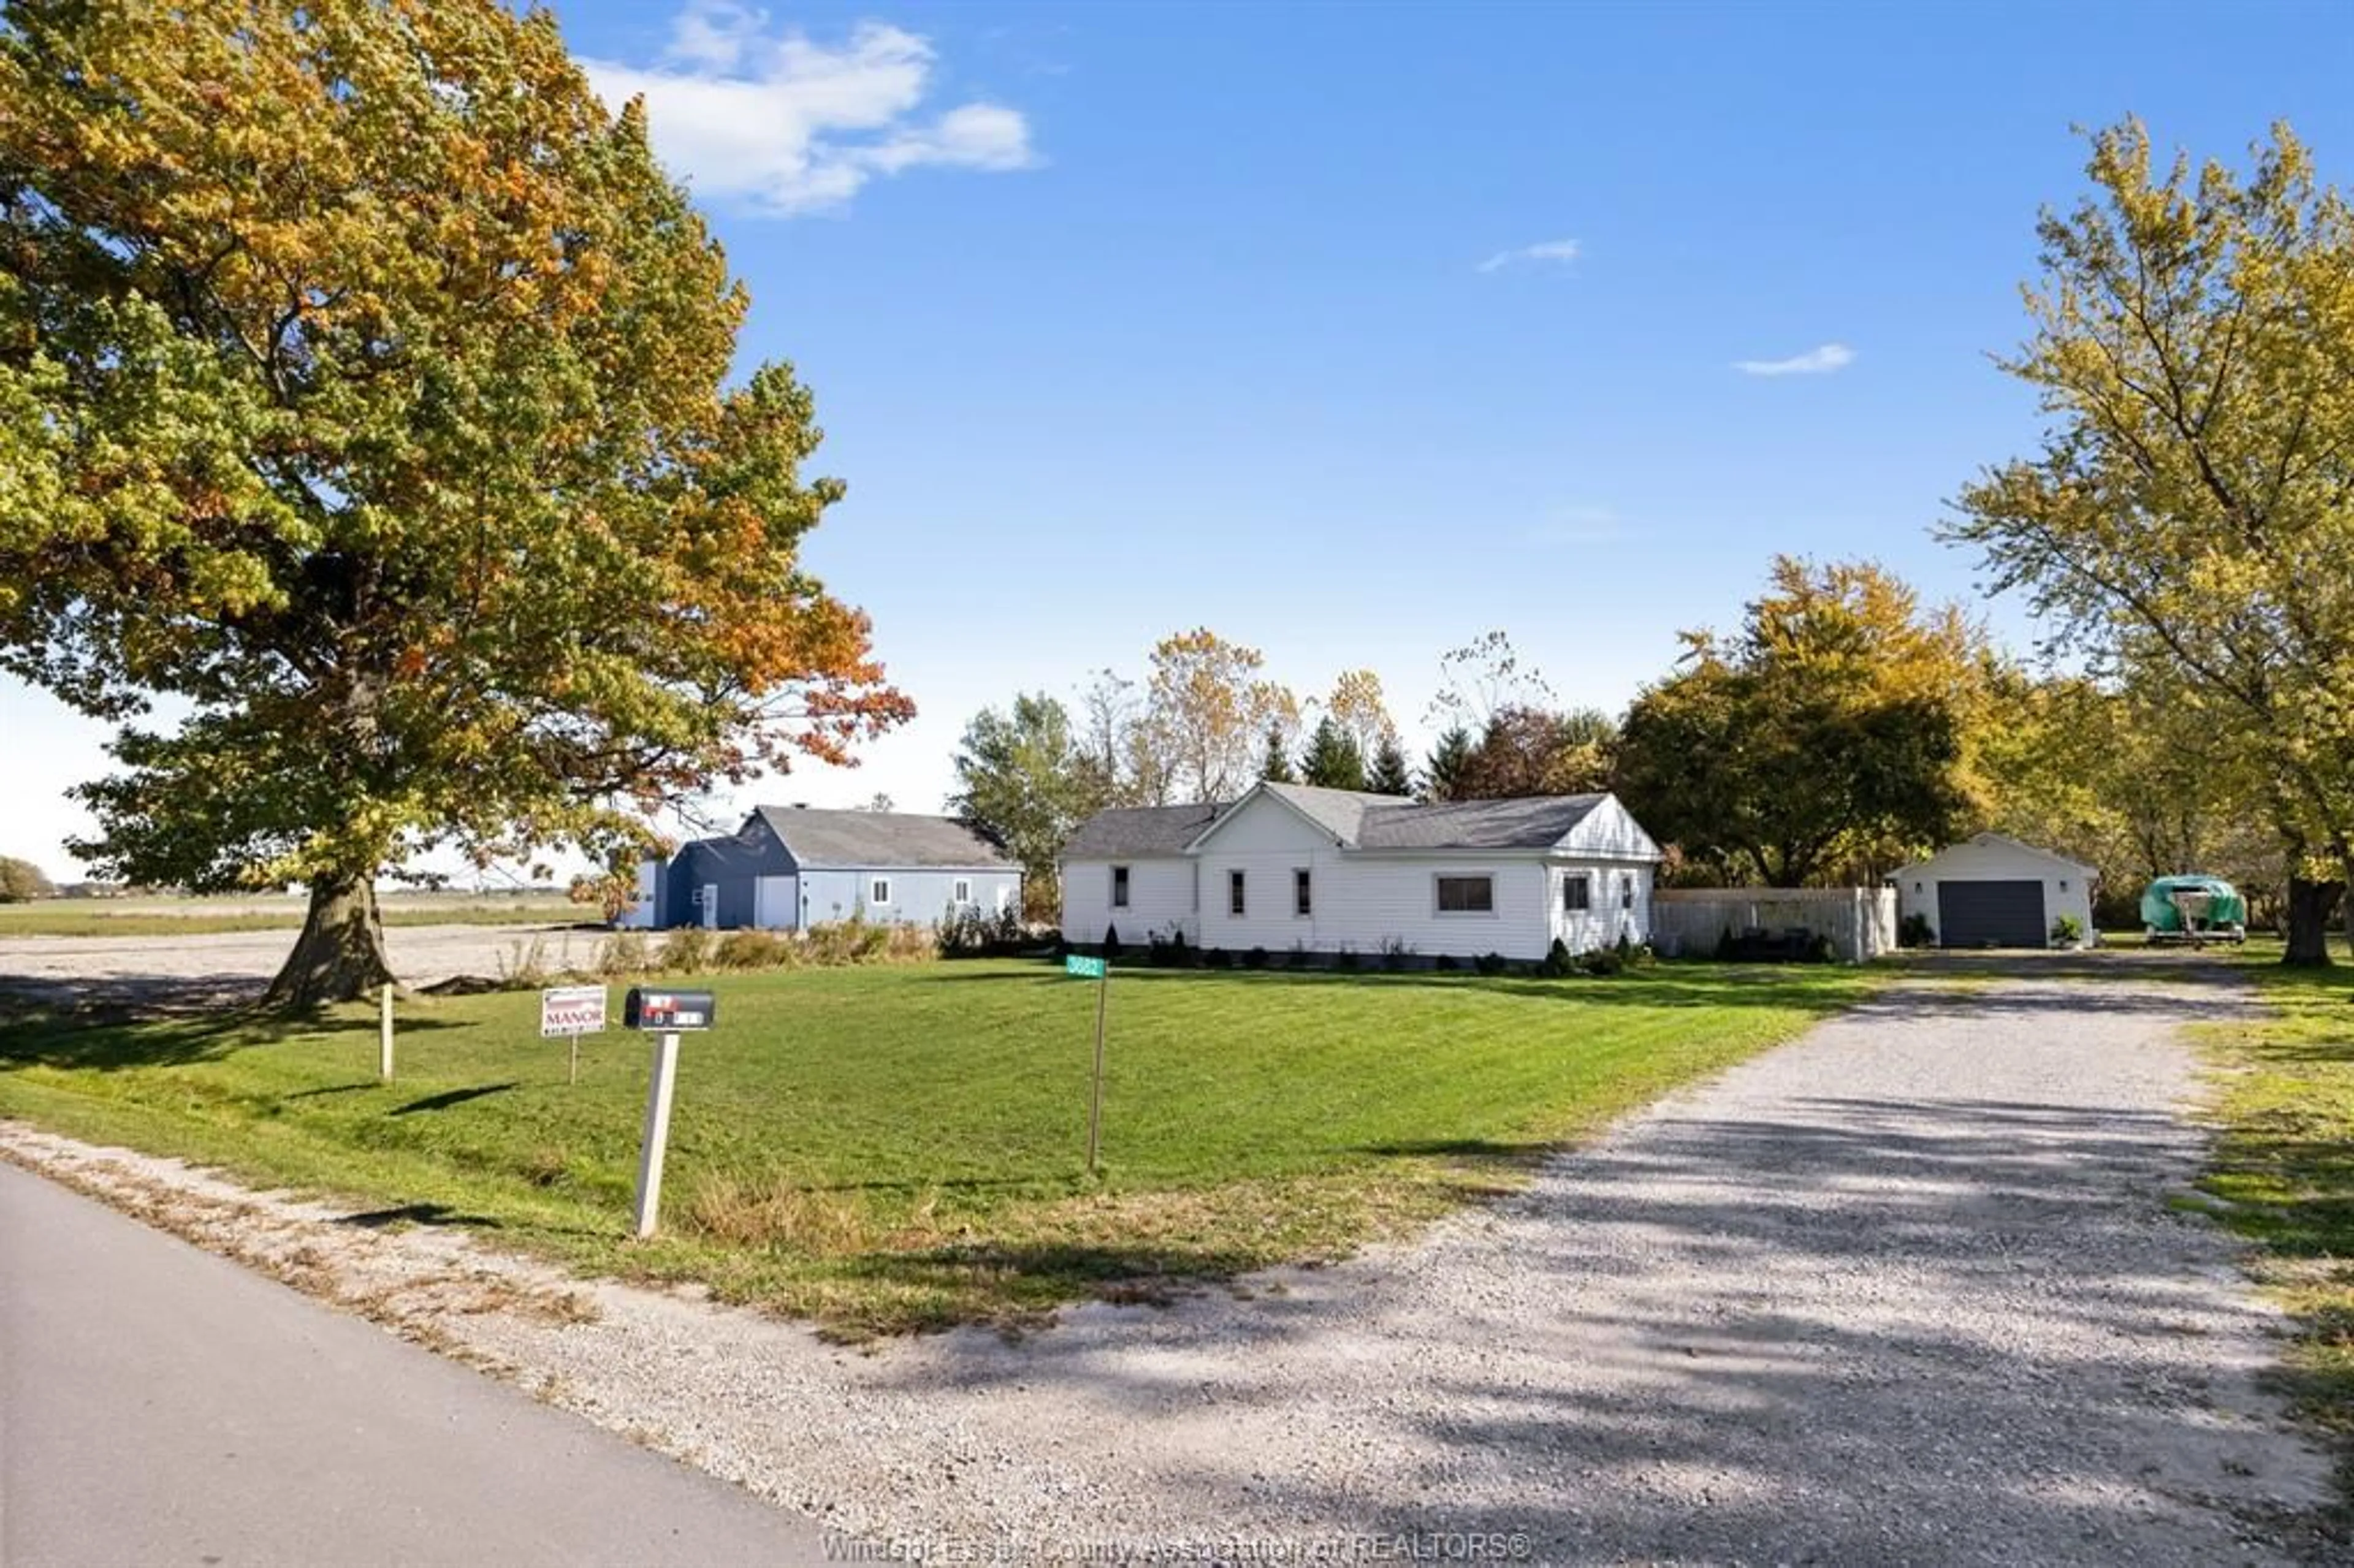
(1363,900)
(1618,904)
(1160,899)
(1358,901)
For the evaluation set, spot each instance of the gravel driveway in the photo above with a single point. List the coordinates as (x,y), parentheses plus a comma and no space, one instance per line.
(1907,1291)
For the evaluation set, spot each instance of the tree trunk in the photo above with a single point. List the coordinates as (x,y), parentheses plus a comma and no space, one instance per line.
(2310,905)
(340,955)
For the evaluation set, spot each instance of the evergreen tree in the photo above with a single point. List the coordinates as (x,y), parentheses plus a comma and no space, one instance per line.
(1275,768)
(1391,775)
(1333,761)
(1449,759)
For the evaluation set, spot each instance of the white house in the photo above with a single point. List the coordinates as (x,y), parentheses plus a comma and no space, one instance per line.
(790,867)
(1290,867)
(1995,892)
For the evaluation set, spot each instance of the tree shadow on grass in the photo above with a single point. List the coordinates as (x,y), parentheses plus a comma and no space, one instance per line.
(1512,1154)
(1014,1280)
(351,1088)
(449,1097)
(73,1043)
(419,1214)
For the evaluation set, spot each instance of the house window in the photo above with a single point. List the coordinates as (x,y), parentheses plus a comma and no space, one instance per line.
(963,892)
(1467,896)
(1626,890)
(880,892)
(1119,887)
(1303,900)
(1576,894)
(1233,893)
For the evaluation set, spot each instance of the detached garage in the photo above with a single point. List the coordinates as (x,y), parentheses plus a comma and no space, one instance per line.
(1995,892)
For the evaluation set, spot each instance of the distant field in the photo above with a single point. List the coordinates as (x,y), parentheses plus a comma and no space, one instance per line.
(884,1150)
(197,916)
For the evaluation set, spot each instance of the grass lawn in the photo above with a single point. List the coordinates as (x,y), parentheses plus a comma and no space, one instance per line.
(2284,1158)
(884,1150)
(199,917)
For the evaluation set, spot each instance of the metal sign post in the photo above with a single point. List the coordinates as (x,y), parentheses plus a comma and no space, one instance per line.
(573,1010)
(1098,970)
(657,1140)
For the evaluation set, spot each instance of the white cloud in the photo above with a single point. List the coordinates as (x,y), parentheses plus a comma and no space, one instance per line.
(1562,251)
(777,122)
(1814,362)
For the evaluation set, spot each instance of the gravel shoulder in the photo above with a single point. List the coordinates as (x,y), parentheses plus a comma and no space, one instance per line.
(1908,1290)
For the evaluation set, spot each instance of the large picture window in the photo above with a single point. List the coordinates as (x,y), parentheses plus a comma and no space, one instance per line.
(1467,896)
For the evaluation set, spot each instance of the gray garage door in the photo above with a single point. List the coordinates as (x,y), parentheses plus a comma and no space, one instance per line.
(1991,914)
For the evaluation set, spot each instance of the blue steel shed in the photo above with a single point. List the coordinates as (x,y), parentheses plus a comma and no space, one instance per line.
(789,867)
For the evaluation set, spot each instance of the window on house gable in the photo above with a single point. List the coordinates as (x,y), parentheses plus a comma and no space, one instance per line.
(1626,890)
(1302,893)
(1576,893)
(1467,896)
(1233,893)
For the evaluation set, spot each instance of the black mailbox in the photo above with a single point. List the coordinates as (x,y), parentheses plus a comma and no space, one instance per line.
(668,1010)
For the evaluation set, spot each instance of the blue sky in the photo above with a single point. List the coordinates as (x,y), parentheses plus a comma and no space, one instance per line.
(1353,333)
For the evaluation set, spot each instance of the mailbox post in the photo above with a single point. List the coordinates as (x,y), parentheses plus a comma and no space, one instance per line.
(664,1013)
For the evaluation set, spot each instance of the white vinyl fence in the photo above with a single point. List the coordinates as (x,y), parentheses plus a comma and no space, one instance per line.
(1689,922)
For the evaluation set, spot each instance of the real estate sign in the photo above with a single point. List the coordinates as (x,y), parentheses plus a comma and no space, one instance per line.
(571,1009)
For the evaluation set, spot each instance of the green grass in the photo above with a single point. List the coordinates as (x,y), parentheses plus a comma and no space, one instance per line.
(2285,1160)
(197,916)
(884,1150)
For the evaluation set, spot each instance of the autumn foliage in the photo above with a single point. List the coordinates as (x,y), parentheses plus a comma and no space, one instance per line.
(365,386)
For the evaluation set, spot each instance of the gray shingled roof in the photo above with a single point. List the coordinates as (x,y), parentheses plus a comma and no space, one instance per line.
(1537,822)
(1140,831)
(854,840)
(1356,821)
(1339,812)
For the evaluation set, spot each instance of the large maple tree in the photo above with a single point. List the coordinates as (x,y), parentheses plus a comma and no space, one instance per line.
(369,453)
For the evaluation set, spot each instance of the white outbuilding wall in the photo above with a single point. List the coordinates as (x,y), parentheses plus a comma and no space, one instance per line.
(1991,857)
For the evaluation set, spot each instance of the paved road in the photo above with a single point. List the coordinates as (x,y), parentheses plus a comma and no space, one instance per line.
(161,1405)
